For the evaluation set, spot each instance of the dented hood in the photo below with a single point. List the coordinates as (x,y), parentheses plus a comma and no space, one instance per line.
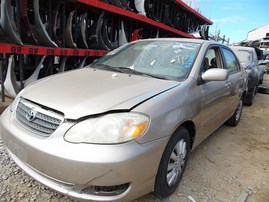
(88,91)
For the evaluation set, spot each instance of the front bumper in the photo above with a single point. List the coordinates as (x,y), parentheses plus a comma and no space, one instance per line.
(73,168)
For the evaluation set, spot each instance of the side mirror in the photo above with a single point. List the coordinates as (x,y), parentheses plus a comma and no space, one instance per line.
(215,74)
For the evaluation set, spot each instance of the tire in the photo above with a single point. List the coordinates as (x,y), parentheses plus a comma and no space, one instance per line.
(173,163)
(235,118)
(250,98)
(261,79)
(263,89)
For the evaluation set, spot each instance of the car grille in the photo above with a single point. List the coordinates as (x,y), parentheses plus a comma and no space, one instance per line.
(40,121)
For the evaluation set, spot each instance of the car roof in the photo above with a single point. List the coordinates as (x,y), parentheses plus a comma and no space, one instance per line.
(241,48)
(191,40)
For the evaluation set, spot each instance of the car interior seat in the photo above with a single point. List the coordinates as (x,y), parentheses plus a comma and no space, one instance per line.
(213,63)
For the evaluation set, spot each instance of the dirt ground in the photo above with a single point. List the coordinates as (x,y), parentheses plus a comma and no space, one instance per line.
(226,165)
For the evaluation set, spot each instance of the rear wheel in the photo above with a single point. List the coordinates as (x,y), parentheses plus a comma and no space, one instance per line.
(261,79)
(173,163)
(234,120)
(250,98)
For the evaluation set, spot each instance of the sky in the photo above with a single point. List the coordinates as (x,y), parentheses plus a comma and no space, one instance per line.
(234,18)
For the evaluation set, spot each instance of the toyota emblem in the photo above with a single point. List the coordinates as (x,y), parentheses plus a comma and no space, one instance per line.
(30,116)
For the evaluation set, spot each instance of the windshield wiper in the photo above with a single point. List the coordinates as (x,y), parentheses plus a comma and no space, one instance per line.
(109,67)
(127,70)
(130,70)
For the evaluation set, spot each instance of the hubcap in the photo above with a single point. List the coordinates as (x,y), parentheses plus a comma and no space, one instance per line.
(176,162)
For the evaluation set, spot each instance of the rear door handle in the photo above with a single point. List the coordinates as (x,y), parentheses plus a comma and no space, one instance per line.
(227,84)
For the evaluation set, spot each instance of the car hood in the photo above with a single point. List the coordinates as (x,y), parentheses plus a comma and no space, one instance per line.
(88,91)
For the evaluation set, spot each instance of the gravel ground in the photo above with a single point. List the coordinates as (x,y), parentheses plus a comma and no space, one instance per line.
(230,162)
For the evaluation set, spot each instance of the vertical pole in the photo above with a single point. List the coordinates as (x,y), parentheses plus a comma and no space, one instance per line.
(217,37)
(21,70)
(63,19)
(50,19)
(2,80)
(17,13)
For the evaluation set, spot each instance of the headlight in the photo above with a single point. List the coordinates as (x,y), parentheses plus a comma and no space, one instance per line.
(13,105)
(109,129)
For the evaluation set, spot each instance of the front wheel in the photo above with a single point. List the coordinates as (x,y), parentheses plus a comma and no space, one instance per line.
(173,163)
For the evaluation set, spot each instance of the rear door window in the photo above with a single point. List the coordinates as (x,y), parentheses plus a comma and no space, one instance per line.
(230,61)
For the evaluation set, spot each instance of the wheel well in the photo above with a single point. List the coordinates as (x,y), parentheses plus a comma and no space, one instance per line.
(189,125)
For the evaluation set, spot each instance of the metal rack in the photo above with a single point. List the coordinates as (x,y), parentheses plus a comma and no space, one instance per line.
(115,20)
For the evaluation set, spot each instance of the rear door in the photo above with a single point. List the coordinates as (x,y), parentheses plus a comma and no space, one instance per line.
(235,82)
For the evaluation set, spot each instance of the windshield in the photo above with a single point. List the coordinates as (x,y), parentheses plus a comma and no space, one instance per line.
(171,60)
(244,56)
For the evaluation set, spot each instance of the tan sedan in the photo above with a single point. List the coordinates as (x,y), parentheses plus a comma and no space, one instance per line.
(125,125)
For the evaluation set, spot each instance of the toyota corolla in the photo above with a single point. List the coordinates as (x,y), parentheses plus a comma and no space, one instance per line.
(125,125)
